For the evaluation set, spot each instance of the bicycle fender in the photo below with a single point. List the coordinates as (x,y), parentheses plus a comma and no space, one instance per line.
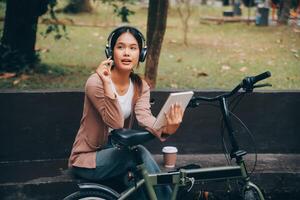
(99,187)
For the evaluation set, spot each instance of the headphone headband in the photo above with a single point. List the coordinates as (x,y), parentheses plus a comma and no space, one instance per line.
(109,50)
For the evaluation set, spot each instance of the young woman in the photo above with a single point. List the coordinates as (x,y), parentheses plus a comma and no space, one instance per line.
(114,97)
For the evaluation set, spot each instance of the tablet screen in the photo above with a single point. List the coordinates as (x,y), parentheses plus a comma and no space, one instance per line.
(182,98)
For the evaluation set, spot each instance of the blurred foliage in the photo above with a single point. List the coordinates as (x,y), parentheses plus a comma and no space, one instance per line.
(121,10)
(58,29)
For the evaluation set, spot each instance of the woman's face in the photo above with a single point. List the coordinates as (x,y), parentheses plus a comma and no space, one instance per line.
(126,52)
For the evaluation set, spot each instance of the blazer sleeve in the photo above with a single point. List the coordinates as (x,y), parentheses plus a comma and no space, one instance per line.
(143,113)
(107,107)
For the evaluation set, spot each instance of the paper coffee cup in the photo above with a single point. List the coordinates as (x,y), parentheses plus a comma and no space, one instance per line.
(170,154)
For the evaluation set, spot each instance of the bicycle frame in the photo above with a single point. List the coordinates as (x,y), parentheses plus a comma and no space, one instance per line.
(185,176)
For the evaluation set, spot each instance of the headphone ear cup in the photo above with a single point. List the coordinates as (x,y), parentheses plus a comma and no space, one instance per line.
(143,54)
(108,52)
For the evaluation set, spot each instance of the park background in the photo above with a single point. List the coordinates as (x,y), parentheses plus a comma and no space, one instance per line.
(217,53)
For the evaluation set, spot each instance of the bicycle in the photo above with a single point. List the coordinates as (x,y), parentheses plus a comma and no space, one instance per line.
(126,138)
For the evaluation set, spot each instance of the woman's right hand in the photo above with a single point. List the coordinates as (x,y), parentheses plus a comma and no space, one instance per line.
(103,70)
(174,118)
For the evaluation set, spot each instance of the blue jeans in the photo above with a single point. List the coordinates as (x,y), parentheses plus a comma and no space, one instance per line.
(112,162)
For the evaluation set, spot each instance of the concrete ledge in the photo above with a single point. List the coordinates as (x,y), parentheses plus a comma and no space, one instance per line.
(276,174)
(43,124)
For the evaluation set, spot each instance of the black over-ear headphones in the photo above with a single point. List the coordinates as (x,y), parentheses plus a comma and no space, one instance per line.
(109,50)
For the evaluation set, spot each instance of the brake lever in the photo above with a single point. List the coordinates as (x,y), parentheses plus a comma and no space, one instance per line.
(262,85)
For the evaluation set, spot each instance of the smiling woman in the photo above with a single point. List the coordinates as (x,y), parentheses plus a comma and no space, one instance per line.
(114,96)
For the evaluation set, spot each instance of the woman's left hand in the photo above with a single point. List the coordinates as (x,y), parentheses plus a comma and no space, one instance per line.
(174,118)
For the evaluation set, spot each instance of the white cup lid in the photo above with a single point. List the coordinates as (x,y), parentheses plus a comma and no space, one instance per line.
(169,149)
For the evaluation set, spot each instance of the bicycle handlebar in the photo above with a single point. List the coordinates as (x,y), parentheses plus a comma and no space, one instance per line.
(261,77)
(248,84)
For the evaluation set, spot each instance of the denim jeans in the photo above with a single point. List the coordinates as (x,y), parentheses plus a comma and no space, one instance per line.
(112,162)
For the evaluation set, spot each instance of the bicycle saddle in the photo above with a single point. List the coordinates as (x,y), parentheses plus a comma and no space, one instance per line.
(129,137)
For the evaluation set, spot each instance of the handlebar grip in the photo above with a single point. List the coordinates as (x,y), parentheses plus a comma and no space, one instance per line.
(248,82)
(260,77)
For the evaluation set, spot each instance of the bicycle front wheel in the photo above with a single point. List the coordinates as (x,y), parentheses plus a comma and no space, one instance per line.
(90,195)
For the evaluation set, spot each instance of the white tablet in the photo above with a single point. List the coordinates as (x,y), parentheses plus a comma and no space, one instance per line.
(182,98)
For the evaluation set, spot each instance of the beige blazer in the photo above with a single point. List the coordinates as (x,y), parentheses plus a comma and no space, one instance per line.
(101,112)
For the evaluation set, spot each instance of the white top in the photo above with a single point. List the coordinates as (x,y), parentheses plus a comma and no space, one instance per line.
(125,100)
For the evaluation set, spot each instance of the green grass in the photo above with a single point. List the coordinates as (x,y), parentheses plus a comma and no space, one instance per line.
(213,60)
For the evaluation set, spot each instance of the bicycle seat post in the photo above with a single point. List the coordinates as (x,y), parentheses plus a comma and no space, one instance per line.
(142,171)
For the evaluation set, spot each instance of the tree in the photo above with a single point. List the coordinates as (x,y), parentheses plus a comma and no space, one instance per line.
(78,6)
(156,27)
(19,35)
(184,11)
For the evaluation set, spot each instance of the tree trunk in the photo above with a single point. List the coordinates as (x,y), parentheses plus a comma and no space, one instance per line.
(204,2)
(17,49)
(78,6)
(184,11)
(284,11)
(156,27)
(185,32)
